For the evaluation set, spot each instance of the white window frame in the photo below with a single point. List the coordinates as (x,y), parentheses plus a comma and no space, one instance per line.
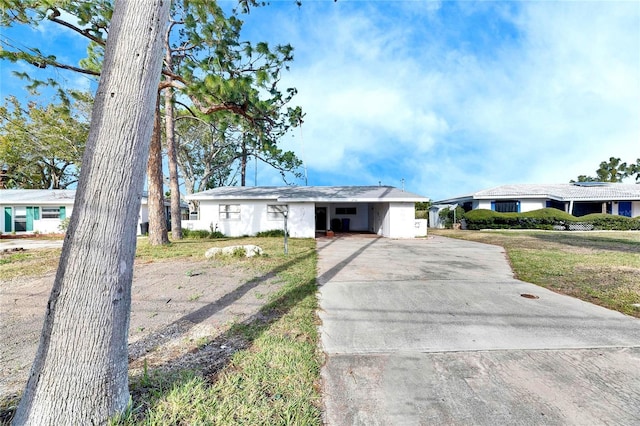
(275,211)
(229,211)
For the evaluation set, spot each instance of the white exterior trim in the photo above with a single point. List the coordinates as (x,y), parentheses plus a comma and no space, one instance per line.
(385,211)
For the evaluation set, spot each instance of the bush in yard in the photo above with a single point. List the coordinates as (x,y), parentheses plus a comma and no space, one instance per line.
(537,219)
(195,233)
(201,233)
(548,218)
(271,233)
(609,222)
(449,217)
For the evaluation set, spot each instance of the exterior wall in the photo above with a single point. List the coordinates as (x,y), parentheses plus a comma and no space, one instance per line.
(254,219)
(528,205)
(380,219)
(420,228)
(52,226)
(402,220)
(40,225)
(357,222)
(482,204)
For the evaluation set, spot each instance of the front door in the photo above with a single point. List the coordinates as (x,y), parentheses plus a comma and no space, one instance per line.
(321,218)
(624,208)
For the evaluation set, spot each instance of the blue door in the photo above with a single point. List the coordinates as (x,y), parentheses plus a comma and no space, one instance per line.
(624,208)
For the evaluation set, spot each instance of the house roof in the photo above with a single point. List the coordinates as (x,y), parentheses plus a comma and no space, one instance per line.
(588,191)
(46,196)
(37,196)
(293,194)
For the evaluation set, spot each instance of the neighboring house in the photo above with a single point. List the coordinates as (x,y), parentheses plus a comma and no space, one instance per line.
(578,199)
(43,210)
(236,211)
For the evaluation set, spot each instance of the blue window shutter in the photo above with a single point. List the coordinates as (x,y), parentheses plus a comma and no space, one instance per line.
(493,205)
(8,219)
(29,219)
(36,213)
(63,212)
(518,204)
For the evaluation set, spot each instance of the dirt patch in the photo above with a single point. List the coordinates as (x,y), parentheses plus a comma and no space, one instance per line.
(177,306)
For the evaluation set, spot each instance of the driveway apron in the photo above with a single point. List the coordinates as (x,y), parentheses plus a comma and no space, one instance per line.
(437,332)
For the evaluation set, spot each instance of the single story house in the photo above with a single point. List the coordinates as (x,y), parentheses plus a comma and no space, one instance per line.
(236,211)
(578,199)
(43,210)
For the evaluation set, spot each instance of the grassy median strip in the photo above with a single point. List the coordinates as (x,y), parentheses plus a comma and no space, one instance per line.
(598,267)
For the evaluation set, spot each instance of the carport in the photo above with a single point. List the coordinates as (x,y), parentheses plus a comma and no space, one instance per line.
(382,210)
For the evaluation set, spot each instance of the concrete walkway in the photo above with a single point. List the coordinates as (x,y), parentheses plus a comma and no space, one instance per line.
(436,332)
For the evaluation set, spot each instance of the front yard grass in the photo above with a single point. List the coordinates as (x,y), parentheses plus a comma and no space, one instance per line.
(598,267)
(275,379)
(272,379)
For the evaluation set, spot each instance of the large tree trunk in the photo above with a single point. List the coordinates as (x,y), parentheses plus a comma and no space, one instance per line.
(155,200)
(79,375)
(172,156)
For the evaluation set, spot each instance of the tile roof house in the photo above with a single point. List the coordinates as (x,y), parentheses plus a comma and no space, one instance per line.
(578,199)
(235,211)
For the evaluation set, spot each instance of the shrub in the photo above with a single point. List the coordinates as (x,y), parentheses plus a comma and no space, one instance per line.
(271,233)
(449,217)
(609,222)
(195,233)
(548,218)
(201,233)
(64,224)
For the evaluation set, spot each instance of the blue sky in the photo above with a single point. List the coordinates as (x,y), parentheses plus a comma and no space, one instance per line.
(452,97)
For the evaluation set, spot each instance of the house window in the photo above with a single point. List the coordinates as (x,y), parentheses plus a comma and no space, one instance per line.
(20,219)
(276,211)
(346,210)
(506,206)
(229,211)
(50,212)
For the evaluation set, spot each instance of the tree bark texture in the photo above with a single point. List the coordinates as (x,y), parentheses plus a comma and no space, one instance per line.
(79,375)
(155,199)
(172,157)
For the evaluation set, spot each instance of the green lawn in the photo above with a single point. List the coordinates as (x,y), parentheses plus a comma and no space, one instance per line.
(599,267)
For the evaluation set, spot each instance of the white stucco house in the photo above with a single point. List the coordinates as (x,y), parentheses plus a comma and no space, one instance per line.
(43,210)
(237,211)
(578,199)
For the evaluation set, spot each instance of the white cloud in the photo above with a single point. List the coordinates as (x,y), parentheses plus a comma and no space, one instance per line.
(452,114)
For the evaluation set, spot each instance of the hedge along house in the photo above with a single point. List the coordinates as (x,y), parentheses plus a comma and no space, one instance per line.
(237,211)
(578,199)
(43,210)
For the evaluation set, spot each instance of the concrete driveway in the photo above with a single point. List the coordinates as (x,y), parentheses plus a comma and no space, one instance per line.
(436,332)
